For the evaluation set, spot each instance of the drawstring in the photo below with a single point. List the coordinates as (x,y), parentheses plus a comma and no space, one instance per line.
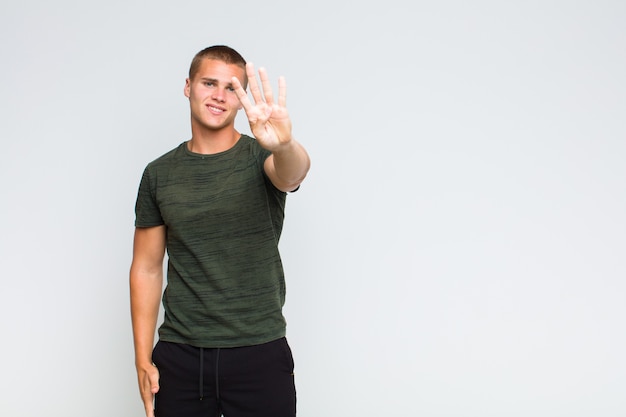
(201,373)
(217,381)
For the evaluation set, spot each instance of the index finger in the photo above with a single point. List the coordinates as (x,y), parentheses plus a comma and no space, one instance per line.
(242,95)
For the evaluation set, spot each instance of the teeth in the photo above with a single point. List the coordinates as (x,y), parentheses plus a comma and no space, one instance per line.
(215,108)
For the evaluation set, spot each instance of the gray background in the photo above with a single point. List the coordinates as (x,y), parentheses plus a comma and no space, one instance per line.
(457,250)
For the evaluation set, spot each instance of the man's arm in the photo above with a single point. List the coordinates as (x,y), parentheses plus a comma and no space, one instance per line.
(146,283)
(286,167)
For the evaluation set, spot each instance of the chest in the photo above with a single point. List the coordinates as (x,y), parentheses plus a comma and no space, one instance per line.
(204,194)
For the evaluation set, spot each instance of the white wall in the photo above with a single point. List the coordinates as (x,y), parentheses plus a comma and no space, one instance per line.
(457,250)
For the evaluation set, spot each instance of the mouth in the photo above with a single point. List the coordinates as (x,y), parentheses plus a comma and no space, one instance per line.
(215,110)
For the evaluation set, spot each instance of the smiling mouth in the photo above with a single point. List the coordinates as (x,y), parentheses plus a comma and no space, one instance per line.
(214,109)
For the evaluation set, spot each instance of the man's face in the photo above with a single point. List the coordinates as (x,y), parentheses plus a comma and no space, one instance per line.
(212,97)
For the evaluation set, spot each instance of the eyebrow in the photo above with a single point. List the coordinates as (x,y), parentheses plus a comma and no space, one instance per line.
(215,81)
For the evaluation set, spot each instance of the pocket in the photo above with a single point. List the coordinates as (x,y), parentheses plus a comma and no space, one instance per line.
(288,355)
(155,350)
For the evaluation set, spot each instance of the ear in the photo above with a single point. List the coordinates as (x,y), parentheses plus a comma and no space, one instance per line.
(187,90)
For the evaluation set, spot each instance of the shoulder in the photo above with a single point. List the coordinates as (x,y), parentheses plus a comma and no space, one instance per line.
(169,156)
(166,161)
(253,146)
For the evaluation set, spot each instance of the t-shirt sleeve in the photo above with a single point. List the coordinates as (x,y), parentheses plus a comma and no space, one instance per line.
(147,213)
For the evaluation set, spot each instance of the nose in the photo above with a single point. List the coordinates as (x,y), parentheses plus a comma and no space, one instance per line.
(219,95)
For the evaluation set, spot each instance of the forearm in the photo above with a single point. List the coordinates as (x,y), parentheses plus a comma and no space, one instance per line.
(145,296)
(290,163)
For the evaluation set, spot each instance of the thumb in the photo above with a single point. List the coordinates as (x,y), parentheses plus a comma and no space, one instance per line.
(153,377)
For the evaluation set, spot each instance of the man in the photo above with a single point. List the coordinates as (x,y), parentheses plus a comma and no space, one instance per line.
(215,203)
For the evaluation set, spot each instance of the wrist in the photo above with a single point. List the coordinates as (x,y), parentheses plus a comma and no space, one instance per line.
(144,365)
(285,147)
(144,360)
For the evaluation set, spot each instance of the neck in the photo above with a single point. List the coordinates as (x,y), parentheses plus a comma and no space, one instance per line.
(213,141)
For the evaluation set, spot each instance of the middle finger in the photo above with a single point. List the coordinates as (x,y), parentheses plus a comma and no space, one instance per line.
(267,87)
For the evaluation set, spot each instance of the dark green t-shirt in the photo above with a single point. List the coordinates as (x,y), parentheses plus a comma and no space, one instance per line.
(225,281)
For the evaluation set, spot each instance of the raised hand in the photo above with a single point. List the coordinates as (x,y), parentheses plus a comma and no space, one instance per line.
(269,120)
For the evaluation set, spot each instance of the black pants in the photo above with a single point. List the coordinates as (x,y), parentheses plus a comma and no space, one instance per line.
(253,381)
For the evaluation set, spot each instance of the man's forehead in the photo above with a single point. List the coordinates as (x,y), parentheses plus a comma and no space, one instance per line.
(219,66)
(212,68)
